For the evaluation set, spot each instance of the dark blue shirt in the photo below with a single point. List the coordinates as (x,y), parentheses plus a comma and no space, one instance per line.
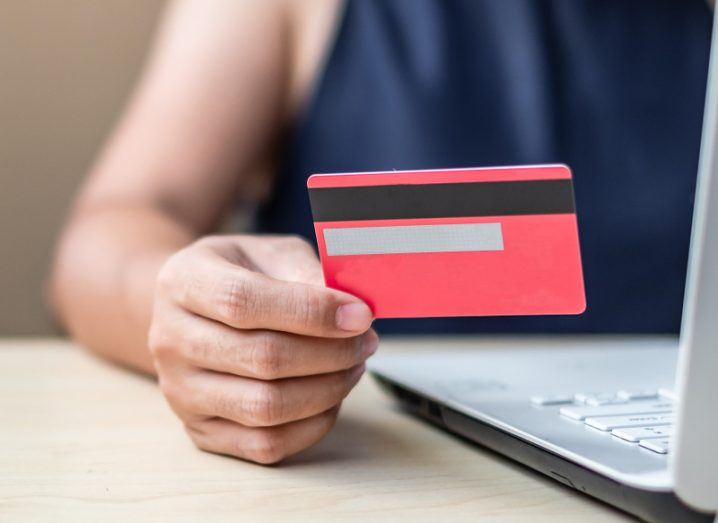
(613,88)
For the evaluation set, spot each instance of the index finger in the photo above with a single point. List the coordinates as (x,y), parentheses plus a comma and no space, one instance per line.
(245,299)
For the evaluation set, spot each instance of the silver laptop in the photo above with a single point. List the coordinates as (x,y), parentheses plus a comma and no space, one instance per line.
(633,422)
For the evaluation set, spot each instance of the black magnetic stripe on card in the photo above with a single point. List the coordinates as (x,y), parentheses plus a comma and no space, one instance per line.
(442,200)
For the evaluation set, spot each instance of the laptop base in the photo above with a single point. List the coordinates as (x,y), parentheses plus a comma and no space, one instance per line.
(651,506)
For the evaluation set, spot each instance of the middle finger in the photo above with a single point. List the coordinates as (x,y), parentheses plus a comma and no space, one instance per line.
(256,403)
(271,355)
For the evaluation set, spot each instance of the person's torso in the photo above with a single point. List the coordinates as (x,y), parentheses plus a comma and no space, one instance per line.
(613,88)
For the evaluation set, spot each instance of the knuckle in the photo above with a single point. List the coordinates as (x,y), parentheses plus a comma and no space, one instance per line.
(266,358)
(198,353)
(224,403)
(309,308)
(268,448)
(235,298)
(160,342)
(200,439)
(197,345)
(175,275)
(173,267)
(264,406)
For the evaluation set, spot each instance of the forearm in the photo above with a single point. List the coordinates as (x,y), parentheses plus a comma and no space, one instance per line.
(204,121)
(103,279)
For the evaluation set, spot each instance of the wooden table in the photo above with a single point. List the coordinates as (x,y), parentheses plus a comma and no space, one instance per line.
(82,440)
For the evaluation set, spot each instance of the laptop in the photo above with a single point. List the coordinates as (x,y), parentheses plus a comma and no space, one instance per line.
(630,421)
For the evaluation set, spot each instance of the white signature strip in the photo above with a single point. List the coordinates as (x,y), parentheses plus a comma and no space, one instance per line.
(406,239)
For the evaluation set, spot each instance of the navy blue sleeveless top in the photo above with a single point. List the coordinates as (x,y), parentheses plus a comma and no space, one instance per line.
(613,88)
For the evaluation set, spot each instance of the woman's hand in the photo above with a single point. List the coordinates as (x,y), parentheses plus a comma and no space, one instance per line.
(253,353)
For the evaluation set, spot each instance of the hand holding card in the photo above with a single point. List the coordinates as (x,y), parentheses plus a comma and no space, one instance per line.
(460,242)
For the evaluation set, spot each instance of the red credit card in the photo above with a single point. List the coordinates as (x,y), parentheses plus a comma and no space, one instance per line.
(461,242)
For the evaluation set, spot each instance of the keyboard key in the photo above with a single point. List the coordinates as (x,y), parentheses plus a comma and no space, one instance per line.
(581,397)
(639,407)
(597,401)
(661,446)
(607,423)
(555,399)
(637,434)
(632,395)
(594,399)
(586,398)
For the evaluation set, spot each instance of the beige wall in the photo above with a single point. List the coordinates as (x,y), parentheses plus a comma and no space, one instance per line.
(66,67)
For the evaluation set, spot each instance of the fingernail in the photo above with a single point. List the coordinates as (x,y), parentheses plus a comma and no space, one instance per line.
(354,317)
(370,343)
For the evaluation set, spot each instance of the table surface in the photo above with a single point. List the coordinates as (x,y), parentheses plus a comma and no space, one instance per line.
(83,440)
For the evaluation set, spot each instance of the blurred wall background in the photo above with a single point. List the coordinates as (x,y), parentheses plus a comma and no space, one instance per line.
(66,68)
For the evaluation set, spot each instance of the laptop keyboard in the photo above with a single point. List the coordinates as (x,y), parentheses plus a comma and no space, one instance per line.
(643,417)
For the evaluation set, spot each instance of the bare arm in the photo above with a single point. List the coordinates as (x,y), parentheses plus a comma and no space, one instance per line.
(203,119)
(253,353)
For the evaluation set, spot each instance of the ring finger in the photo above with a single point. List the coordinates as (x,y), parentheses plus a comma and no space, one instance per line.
(256,403)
